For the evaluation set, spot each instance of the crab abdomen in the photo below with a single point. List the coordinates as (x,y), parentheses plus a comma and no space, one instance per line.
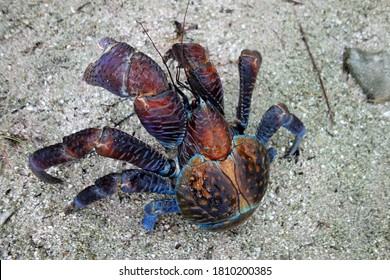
(219,195)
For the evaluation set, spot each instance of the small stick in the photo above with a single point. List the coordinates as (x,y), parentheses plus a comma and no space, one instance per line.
(293,2)
(330,112)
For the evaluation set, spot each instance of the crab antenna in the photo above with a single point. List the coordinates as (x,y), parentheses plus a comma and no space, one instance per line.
(162,58)
(182,32)
(184,22)
(183,29)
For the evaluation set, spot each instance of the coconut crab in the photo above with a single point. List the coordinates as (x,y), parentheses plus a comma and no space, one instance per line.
(219,175)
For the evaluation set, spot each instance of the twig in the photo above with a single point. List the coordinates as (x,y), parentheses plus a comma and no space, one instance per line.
(330,112)
(293,2)
(118,123)
(13,139)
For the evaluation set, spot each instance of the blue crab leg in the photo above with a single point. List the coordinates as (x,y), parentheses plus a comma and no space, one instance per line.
(107,142)
(277,116)
(128,181)
(248,65)
(156,208)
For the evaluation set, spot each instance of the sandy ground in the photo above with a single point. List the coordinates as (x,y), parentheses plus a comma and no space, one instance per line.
(333,203)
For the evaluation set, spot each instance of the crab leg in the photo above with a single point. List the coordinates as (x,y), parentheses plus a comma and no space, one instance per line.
(108,142)
(129,181)
(277,116)
(156,208)
(248,65)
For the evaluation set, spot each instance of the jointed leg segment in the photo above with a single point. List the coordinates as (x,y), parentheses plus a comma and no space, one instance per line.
(156,208)
(277,116)
(108,142)
(129,181)
(248,65)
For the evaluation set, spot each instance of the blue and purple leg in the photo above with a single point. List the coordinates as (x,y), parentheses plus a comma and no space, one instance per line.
(129,181)
(277,116)
(107,142)
(156,208)
(248,66)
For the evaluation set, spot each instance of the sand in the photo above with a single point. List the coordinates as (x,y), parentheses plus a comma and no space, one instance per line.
(330,203)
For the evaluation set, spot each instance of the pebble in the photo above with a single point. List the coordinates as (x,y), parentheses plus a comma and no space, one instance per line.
(371,71)
(6,215)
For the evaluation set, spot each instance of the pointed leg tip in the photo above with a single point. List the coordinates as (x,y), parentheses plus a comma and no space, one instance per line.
(149,228)
(272,154)
(148,223)
(41,174)
(290,155)
(294,150)
(71,208)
